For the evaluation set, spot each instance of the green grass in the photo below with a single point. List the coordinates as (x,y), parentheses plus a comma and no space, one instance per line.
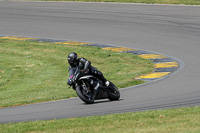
(32,72)
(182,120)
(185,2)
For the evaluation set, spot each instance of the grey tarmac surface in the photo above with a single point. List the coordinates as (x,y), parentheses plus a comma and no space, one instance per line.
(171,30)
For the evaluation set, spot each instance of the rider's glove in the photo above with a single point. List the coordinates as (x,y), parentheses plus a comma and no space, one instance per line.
(85,70)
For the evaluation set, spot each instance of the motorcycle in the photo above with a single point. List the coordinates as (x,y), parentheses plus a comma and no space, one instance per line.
(89,88)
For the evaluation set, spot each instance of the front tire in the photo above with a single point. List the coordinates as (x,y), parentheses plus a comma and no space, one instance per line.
(113,92)
(86,97)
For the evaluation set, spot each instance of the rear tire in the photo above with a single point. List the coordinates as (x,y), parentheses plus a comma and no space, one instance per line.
(87,97)
(113,92)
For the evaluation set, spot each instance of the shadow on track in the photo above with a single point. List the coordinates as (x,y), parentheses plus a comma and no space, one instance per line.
(102,101)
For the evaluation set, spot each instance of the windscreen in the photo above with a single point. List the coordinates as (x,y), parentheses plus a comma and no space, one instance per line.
(72,71)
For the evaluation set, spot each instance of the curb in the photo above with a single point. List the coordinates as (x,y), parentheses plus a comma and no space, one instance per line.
(164,65)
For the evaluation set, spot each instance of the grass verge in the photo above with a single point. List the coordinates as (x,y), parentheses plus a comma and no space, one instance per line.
(32,72)
(161,121)
(185,2)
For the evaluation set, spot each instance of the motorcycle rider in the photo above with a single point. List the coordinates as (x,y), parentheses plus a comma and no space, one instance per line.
(85,65)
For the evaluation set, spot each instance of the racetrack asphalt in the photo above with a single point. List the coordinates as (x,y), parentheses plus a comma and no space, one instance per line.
(168,29)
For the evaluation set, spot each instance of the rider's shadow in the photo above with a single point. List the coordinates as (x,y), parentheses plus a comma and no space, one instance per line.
(103,101)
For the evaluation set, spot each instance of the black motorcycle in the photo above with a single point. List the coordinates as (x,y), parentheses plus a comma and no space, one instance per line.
(90,88)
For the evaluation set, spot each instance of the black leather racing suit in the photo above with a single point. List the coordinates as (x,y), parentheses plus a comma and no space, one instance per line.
(84,64)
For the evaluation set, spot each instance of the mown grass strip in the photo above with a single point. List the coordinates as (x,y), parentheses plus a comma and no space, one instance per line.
(32,71)
(184,2)
(182,120)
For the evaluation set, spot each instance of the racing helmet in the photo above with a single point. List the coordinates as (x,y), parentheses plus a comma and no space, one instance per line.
(73,59)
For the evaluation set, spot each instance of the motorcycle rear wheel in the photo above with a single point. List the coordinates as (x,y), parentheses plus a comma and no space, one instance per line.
(87,97)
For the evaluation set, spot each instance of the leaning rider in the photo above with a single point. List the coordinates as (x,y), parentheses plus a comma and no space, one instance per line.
(85,65)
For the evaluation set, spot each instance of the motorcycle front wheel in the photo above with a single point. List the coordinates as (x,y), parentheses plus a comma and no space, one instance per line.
(113,92)
(85,94)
